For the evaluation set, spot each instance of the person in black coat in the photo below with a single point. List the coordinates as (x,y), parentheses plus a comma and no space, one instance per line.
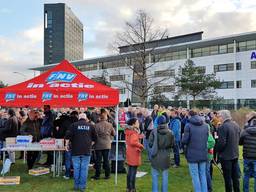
(10,129)
(227,147)
(248,141)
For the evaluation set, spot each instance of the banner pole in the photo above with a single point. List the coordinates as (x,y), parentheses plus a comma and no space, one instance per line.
(117,127)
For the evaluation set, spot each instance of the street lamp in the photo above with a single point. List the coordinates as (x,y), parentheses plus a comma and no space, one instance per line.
(24,76)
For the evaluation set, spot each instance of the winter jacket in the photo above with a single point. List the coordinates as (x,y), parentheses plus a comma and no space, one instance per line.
(227,145)
(195,140)
(248,140)
(133,147)
(10,128)
(46,129)
(148,126)
(81,134)
(61,126)
(105,132)
(175,126)
(210,145)
(31,127)
(2,126)
(165,141)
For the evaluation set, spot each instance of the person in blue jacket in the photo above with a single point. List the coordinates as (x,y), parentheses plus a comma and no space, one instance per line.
(175,126)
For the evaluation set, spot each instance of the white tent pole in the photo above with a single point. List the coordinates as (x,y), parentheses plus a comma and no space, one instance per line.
(116,144)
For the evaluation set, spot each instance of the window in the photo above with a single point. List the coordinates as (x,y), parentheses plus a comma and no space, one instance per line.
(224,67)
(238,84)
(165,73)
(223,49)
(253,83)
(238,66)
(227,85)
(197,52)
(87,67)
(214,50)
(117,77)
(165,88)
(122,91)
(251,45)
(205,51)
(241,46)
(230,47)
(253,64)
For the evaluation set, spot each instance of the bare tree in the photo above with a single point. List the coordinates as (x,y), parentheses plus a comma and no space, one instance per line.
(138,41)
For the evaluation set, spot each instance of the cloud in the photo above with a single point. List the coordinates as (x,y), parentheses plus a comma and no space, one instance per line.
(19,53)
(102,20)
(35,34)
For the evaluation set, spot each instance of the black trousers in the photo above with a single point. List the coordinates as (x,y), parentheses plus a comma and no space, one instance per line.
(231,175)
(131,177)
(31,158)
(99,155)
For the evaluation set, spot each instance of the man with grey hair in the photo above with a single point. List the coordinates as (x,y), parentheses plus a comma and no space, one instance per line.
(82,135)
(227,147)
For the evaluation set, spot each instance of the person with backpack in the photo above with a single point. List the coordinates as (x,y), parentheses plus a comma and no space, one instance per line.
(133,151)
(227,147)
(175,126)
(195,142)
(148,127)
(161,140)
(248,141)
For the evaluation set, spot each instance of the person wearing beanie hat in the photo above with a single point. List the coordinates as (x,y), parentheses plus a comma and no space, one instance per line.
(161,140)
(81,134)
(161,120)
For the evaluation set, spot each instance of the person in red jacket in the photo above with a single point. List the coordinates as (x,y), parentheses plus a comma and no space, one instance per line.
(133,151)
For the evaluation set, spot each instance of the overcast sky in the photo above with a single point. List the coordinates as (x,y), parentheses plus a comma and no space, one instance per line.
(21,34)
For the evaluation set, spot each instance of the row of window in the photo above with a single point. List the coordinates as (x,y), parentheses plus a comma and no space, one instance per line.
(231,84)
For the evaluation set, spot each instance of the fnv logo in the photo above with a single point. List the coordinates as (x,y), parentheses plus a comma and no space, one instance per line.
(46,96)
(253,55)
(10,97)
(82,96)
(61,76)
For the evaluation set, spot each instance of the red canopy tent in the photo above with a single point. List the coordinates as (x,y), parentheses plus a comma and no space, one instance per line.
(61,86)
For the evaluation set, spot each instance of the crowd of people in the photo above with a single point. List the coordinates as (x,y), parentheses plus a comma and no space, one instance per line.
(206,138)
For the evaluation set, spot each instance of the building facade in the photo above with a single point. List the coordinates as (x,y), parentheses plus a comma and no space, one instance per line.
(63,34)
(232,58)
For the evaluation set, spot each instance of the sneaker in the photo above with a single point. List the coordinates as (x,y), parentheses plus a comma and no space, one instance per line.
(66,177)
(175,166)
(107,177)
(95,178)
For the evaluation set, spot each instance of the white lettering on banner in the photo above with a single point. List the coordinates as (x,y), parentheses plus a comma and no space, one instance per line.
(31,96)
(101,96)
(67,96)
(83,127)
(33,85)
(64,85)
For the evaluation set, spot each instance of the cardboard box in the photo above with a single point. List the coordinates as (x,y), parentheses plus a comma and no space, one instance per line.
(39,171)
(10,180)
(10,140)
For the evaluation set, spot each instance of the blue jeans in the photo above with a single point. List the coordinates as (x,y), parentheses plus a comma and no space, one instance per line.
(208,176)
(155,173)
(147,148)
(176,151)
(80,164)
(198,174)
(249,169)
(1,146)
(68,162)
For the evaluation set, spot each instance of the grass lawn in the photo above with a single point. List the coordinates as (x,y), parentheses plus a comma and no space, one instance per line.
(179,181)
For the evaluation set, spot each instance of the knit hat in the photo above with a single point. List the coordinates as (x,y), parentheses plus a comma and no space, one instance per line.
(161,120)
